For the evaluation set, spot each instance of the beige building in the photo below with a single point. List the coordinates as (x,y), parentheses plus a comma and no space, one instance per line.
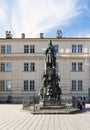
(22,63)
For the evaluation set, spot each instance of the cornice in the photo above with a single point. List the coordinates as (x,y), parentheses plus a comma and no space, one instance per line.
(43,40)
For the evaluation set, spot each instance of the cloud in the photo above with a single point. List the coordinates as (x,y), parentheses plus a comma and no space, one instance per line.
(35,16)
(3,10)
(85,35)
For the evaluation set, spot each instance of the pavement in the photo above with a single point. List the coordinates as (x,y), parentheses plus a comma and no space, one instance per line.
(13,117)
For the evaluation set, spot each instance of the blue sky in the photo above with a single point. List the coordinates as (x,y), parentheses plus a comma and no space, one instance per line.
(47,16)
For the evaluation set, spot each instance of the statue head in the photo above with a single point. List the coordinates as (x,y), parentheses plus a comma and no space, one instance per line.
(50,44)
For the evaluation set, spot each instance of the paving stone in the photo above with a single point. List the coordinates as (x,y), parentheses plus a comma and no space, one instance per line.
(12,117)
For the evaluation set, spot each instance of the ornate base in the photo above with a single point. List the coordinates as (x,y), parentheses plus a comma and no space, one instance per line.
(51,102)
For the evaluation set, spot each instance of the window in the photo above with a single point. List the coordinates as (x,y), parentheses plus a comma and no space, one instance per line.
(5,85)
(29,85)
(80,85)
(79,66)
(8,49)
(5,49)
(8,85)
(29,48)
(32,66)
(29,66)
(2,49)
(32,49)
(79,48)
(73,48)
(2,66)
(26,85)
(5,66)
(26,66)
(26,48)
(2,85)
(8,67)
(73,66)
(73,84)
(56,48)
(32,85)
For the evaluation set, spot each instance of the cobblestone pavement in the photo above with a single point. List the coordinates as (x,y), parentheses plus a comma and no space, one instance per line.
(12,117)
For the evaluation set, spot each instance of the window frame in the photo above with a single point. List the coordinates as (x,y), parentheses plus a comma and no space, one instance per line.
(26,85)
(26,66)
(74,66)
(32,85)
(80,66)
(32,48)
(80,47)
(74,85)
(8,67)
(74,48)
(26,48)
(8,49)
(80,85)
(32,66)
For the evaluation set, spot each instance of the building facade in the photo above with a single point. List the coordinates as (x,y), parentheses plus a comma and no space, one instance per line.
(22,64)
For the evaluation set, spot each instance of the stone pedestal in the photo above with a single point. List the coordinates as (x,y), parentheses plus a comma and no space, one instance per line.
(51,102)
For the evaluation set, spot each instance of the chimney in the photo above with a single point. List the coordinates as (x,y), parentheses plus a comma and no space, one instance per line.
(23,35)
(8,35)
(41,35)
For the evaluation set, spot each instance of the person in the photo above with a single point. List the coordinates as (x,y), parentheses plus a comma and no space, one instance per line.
(83,103)
(79,103)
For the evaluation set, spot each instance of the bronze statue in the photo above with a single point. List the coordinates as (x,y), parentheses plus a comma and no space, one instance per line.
(50,89)
(50,56)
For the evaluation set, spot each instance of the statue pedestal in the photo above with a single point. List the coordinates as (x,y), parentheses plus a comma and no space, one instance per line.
(51,102)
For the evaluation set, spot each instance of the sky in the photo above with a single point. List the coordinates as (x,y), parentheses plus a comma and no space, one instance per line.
(33,17)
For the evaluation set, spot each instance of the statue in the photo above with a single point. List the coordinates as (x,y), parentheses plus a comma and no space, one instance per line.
(50,56)
(50,89)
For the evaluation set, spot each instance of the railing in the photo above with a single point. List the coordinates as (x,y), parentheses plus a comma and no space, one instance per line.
(30,102)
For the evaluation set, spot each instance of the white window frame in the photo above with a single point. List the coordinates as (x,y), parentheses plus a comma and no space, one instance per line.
(74,48)
(74,85)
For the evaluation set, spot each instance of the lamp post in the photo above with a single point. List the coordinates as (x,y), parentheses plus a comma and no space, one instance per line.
(34,103)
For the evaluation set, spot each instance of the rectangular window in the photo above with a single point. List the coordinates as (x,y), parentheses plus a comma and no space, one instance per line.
(8,49)
(80,66)
(32,85)
(26,48)
(56,48)
(26,66)
(73,66)
(74,85)
(32,66)
(80,85)
(2,49)
(79,48)
(73,48)
(32,49)
(2,66)
(8,85)
(2,85)
(26,85)
(8,67)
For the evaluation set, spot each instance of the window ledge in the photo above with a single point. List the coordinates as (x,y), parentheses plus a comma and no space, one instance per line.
(5,90)
(77,71)
(29,71)
(77,90)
